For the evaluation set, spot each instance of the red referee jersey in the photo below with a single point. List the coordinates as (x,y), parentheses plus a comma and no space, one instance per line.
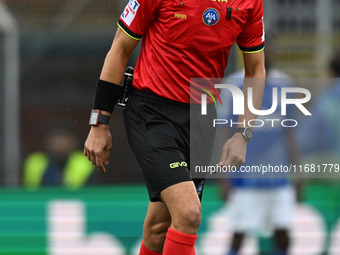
(185,39)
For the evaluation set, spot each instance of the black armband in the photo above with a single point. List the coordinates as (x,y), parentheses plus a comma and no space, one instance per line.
(107,95)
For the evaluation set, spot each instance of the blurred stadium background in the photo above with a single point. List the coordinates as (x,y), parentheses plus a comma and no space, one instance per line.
(51,53)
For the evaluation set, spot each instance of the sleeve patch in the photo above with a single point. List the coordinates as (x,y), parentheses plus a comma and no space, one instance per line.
(130,12)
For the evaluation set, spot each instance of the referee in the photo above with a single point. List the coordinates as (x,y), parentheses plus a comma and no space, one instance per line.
(182,39)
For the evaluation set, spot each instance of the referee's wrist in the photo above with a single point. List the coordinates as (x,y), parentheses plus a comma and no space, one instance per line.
(106,113)
(100,126)
(240,136)
(98,117)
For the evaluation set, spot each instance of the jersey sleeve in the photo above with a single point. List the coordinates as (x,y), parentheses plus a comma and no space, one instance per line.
(251,39)
(137,16)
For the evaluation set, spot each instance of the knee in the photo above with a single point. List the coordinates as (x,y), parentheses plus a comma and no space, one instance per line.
(188,219)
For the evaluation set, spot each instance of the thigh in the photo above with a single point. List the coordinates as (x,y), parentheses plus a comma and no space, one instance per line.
(180,196)
(157,144)
(202,135)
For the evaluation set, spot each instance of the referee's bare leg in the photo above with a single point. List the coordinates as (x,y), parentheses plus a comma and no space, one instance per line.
(171,227)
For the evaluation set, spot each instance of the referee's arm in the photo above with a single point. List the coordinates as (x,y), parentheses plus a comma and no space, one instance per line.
(255,75)
(117,57)
(98,143)
(234,150)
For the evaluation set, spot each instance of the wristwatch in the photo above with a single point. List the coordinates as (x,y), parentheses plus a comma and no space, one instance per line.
(97,118)
(246,132)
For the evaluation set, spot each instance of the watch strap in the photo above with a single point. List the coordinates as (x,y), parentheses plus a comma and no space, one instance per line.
(103,119)
(240,130)
(243,132)
(98,118)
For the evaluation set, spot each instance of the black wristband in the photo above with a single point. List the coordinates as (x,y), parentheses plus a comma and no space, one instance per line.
(107,94)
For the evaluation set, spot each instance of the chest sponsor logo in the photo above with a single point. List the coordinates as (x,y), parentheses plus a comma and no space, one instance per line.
(130,12)
(210,16)
(180,16)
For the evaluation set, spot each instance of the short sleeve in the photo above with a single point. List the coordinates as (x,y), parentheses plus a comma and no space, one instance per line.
(137,16)
(251,39)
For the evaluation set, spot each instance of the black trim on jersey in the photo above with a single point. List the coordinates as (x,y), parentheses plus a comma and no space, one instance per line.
(256,48)
(229,12)
(128,31)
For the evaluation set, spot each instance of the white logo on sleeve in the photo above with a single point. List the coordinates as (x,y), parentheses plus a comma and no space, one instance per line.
(130,12)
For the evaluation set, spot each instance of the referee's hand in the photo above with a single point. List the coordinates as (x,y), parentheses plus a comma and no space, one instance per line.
(234,151)
(97,146)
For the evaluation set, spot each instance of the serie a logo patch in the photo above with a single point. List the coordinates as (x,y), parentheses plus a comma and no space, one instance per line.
(130,11)
(210,16)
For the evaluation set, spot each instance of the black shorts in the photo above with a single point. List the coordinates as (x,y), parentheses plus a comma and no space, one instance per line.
(158,131)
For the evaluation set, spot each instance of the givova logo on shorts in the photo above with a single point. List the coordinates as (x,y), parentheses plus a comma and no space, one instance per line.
(178,164)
